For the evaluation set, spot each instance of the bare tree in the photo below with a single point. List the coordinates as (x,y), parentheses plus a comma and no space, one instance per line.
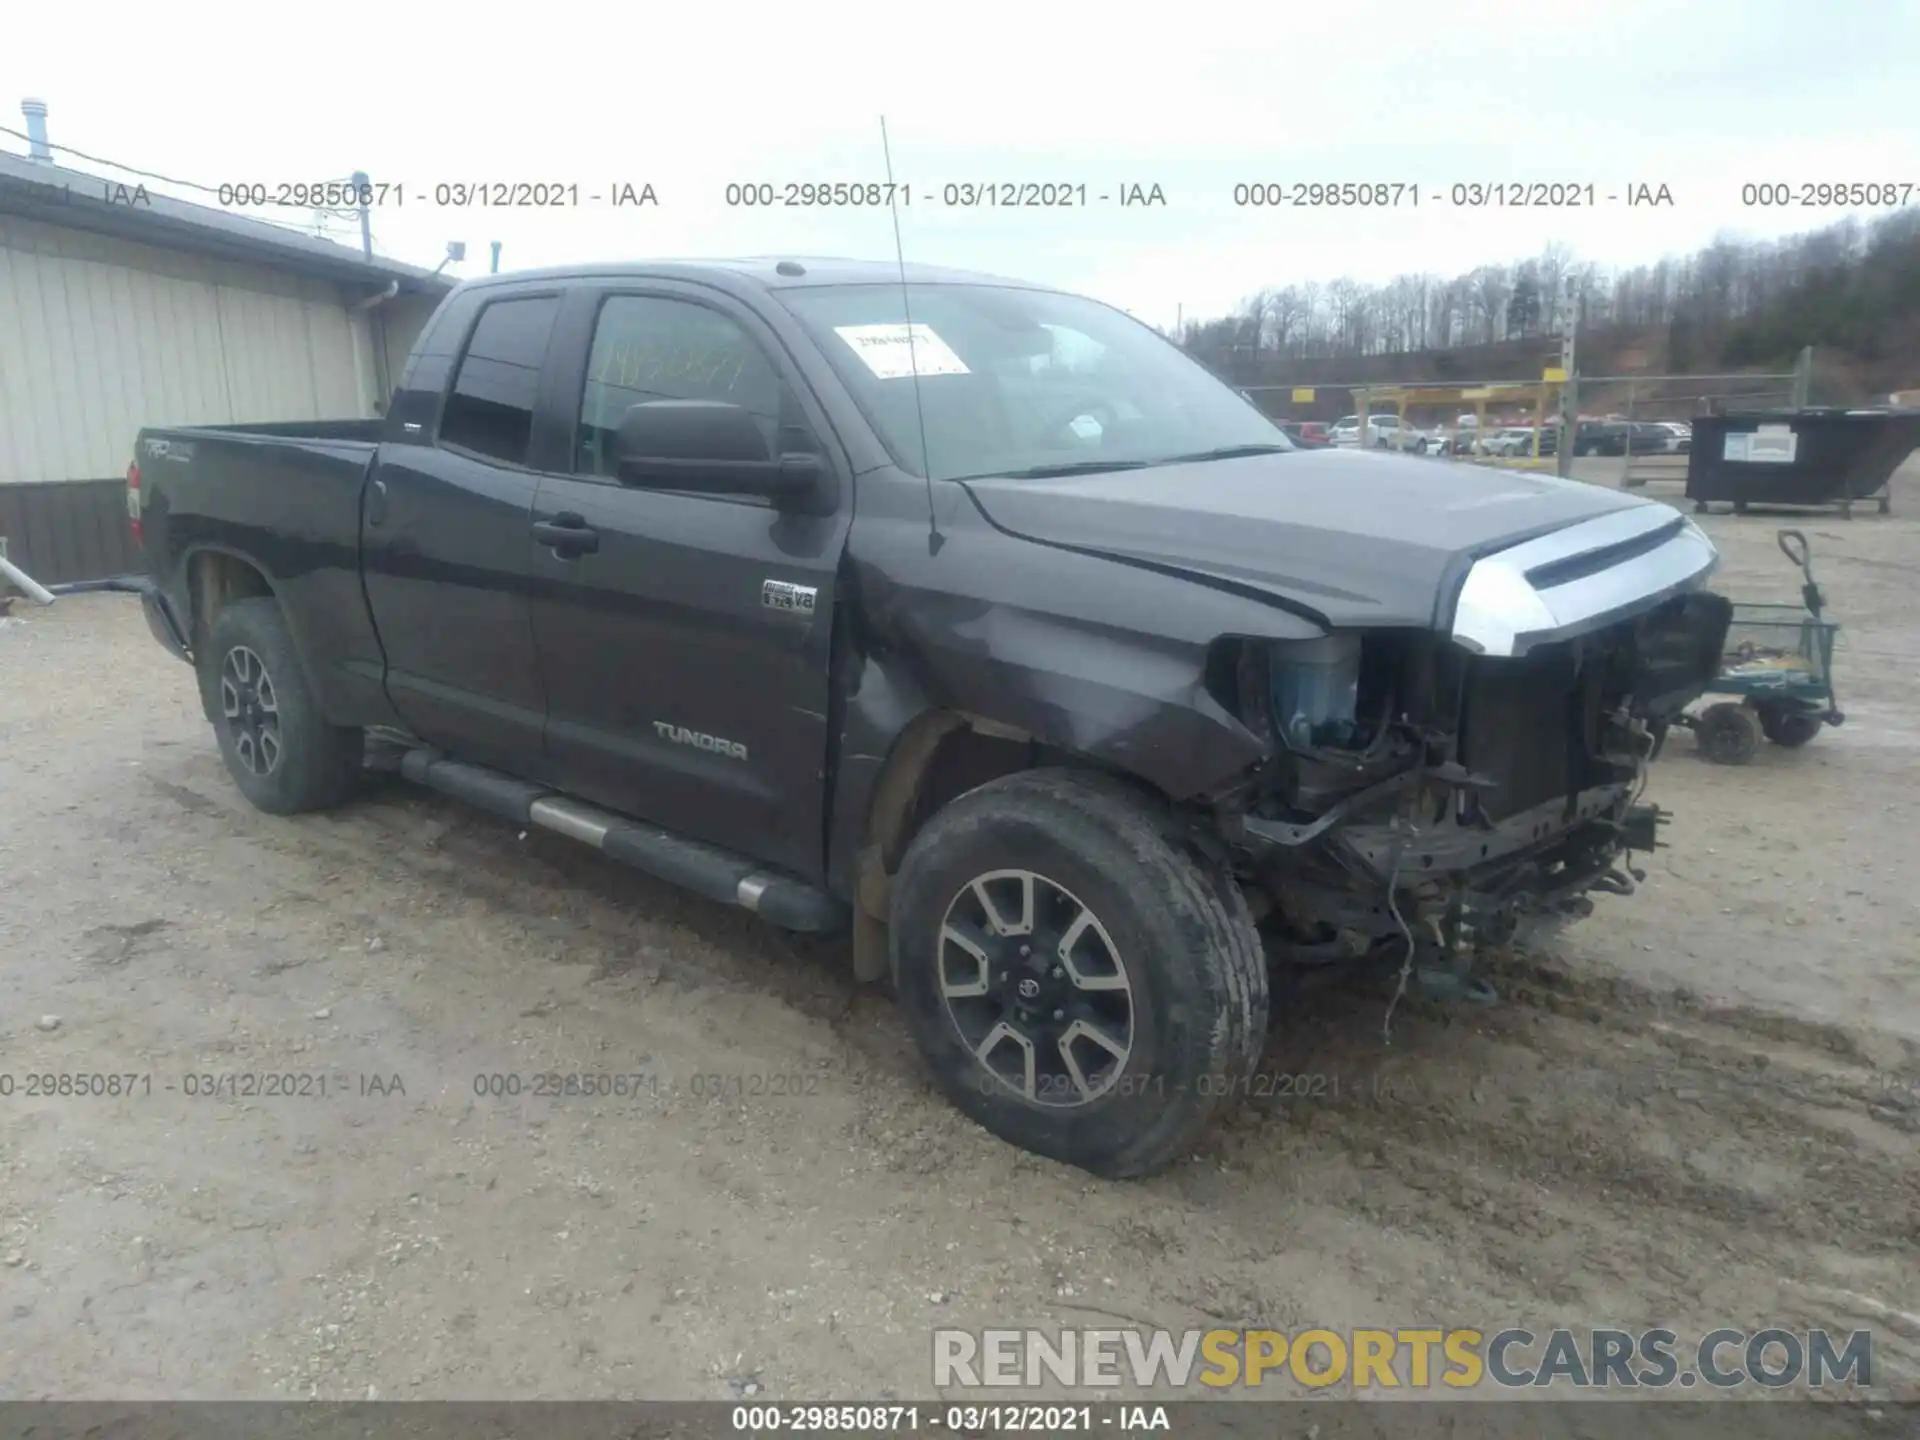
(1343,299)
(1554,267)
(1313,324)
(1420,292)
(1490,289)
(1523,302)
(1288,312)
(1253,323)
(1850,285)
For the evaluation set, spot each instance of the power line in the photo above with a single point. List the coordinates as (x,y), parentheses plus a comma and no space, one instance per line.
(319,217)
(345,212)
(114,164)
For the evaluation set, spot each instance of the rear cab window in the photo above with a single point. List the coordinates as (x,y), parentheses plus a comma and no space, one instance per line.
(489,410)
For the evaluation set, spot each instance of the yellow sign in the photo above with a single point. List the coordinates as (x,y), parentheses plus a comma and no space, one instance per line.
(1302,397)
(1485,393)
(1553,375)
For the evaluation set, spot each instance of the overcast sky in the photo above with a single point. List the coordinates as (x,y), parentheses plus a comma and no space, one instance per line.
(1698,95)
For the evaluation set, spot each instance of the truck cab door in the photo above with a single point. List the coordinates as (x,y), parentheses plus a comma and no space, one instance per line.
(445,540)
(685,639)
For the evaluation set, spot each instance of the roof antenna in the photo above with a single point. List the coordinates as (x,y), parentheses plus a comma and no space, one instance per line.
(934,538)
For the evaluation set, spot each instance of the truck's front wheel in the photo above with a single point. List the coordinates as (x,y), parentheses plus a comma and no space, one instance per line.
(1079,984)
(279,748)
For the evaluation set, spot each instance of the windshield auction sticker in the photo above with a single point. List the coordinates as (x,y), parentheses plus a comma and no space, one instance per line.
(892,351)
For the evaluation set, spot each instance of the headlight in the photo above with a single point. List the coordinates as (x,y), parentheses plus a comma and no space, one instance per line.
(1314,690)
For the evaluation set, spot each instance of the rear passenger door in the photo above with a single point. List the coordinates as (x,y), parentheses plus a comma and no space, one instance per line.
(447,542)
(686,652)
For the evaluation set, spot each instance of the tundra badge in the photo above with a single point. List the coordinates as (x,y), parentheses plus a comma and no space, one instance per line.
(713,744)
(779,595)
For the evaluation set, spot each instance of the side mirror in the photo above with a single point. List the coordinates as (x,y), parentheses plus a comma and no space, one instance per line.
(708,446)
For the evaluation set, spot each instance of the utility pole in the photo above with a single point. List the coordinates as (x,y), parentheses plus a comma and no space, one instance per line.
(1570,387)
(493,267)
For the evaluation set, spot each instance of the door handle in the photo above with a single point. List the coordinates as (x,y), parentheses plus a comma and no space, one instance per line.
(377,503)
(567,534)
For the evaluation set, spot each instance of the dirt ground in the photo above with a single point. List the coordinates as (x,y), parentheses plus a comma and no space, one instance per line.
(1699,1108)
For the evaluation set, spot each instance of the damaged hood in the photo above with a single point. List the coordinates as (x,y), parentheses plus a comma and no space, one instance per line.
(1352,537)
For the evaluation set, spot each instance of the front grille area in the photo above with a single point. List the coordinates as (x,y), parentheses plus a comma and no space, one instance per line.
(1544,725)
(1521,727)
(1677,651)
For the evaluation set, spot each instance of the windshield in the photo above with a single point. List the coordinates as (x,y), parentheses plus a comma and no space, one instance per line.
(1017,382)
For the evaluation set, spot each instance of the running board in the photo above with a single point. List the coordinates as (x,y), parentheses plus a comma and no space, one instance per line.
(704,869)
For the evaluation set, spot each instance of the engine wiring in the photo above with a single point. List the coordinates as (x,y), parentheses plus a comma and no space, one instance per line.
(1642,767)
(1393,904)
(1406,933)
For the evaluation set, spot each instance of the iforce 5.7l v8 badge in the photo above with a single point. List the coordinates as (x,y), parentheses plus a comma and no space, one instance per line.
(795,599)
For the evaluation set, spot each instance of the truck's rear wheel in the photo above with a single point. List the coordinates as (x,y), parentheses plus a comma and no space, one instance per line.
(1079,984)
(279,749)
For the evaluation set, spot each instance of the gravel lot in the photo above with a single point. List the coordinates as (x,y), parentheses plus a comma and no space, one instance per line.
(1699,1108)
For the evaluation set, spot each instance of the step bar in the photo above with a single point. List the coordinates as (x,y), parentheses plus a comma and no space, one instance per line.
(704,869)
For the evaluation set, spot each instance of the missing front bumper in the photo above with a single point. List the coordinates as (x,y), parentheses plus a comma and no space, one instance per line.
(1461,852)
(1457,886)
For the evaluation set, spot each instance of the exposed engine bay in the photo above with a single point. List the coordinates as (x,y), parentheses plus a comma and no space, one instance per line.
(1423,797)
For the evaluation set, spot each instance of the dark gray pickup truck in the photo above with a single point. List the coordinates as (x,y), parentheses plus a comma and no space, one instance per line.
(967,615)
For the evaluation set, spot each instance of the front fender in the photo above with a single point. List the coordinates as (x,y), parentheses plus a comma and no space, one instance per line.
(1086,655)
(1138,703)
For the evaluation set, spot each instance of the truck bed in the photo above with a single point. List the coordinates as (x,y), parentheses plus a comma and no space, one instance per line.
(287,497)
(365,430)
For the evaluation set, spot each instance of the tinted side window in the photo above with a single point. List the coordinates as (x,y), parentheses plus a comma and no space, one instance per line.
(491,408)
(647,348)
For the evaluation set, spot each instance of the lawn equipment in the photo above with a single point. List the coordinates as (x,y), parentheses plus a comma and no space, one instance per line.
(1779,662)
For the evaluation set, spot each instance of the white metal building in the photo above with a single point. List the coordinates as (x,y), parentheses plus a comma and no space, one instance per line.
(120,308)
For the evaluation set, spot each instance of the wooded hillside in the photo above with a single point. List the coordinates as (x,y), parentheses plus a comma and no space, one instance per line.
(1852,290)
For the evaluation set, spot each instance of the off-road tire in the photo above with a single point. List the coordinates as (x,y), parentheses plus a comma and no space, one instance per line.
(316,764)
(1179,926)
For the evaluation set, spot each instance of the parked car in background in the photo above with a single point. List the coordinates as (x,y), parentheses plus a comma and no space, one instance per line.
(1416,440)
(1508,441)
(1307,434)
(1600,437)
(1682,435)
(1380,430)
(1651,437)
(1516,440)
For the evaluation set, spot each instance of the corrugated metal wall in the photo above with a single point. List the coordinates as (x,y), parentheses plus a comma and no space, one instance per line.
(76,531)
(100,336)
